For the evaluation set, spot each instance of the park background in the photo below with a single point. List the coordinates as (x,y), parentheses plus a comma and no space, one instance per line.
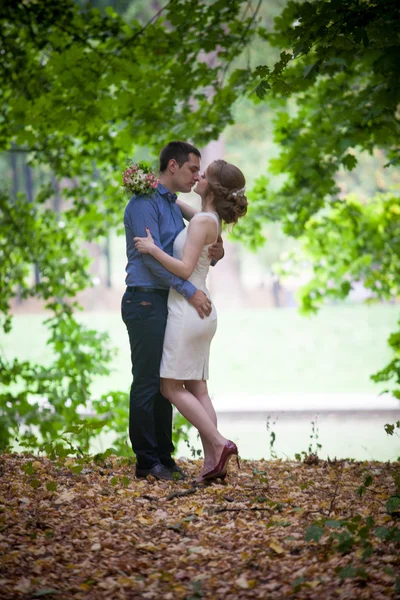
(305,369)
(282,383)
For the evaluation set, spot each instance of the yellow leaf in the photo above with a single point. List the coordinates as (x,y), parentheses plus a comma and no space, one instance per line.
(144,521)
(125,581)
(277,548)
(148,547)
(84,586)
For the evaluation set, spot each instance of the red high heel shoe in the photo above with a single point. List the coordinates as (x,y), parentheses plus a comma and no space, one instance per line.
(219,471)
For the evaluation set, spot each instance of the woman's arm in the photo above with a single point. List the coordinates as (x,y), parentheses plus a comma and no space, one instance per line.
(196,238)
(187,211)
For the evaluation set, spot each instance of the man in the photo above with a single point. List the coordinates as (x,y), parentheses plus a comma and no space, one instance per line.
(144,307)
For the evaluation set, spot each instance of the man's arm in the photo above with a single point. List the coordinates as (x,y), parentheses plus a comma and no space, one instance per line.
(216,251)
(187,211)
(146,215)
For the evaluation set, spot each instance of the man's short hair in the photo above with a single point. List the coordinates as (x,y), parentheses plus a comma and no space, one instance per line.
(176,150)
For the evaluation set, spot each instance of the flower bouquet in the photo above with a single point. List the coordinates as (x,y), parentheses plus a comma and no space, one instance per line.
(138,179)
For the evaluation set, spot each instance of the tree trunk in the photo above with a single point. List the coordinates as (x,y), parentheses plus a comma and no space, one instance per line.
(56,197)
(30,198)
(107,254)
(15,190)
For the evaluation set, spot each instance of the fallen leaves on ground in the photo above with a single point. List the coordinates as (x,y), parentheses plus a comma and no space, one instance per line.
(275,529)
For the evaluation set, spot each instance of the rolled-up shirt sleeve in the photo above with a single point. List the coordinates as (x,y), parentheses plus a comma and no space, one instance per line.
(145,215)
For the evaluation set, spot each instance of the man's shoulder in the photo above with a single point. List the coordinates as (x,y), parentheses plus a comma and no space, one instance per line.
(142,201)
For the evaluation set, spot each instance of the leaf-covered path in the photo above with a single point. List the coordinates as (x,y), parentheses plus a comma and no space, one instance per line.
(275,530)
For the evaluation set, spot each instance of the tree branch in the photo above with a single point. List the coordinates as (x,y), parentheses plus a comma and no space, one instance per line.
(333,499)
(152,20)
(243,37)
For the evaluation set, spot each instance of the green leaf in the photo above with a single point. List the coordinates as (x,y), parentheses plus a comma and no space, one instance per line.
(368,480)
(314,533)
(349,161)
(351,572)
(348,572)
(393,504)
(389,428)
(382,533)
(51,486)
(334,524)
(298,583)
(28,468)
(262,88)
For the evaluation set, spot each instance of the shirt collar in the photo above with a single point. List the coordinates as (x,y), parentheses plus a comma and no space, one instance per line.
(166,193)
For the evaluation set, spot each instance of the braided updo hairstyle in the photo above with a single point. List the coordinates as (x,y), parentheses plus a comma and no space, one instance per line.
(227,182)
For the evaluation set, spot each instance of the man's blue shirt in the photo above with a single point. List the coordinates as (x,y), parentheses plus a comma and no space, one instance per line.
(160,213)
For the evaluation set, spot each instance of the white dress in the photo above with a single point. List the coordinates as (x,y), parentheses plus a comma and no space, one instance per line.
(188,338)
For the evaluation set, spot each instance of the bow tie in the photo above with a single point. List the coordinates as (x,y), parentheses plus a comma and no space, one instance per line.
(171,197)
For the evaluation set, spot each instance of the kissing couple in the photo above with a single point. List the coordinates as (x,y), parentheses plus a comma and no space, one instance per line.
(167,309)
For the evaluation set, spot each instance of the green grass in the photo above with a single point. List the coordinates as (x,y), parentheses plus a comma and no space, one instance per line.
(256,351)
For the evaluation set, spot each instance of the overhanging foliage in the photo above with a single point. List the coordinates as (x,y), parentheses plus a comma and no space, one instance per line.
(337,90)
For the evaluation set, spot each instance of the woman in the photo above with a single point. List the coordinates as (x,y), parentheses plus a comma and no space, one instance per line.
(184,364)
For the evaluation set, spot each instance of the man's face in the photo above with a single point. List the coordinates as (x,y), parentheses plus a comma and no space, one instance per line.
(186,176)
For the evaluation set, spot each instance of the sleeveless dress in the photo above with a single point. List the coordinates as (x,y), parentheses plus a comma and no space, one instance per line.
(188,338)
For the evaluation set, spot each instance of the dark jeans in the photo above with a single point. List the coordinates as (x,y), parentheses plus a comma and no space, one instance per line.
(150,415)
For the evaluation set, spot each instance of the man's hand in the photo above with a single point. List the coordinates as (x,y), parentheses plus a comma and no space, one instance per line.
(216,251)
(201,303)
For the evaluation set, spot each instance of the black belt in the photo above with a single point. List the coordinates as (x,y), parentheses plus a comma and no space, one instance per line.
(139,288)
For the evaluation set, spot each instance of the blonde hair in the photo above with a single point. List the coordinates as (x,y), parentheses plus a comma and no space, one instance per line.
(227,184)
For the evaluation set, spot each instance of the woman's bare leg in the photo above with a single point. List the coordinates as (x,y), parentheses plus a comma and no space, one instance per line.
(200,391)
(193,410)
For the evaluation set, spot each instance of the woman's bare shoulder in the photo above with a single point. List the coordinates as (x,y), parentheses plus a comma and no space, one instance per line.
(207,224)
(203,219)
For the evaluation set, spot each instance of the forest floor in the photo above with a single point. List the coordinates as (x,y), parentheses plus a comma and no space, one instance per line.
(85,529)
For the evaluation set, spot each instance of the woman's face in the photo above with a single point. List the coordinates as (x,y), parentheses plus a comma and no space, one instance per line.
(201,187)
